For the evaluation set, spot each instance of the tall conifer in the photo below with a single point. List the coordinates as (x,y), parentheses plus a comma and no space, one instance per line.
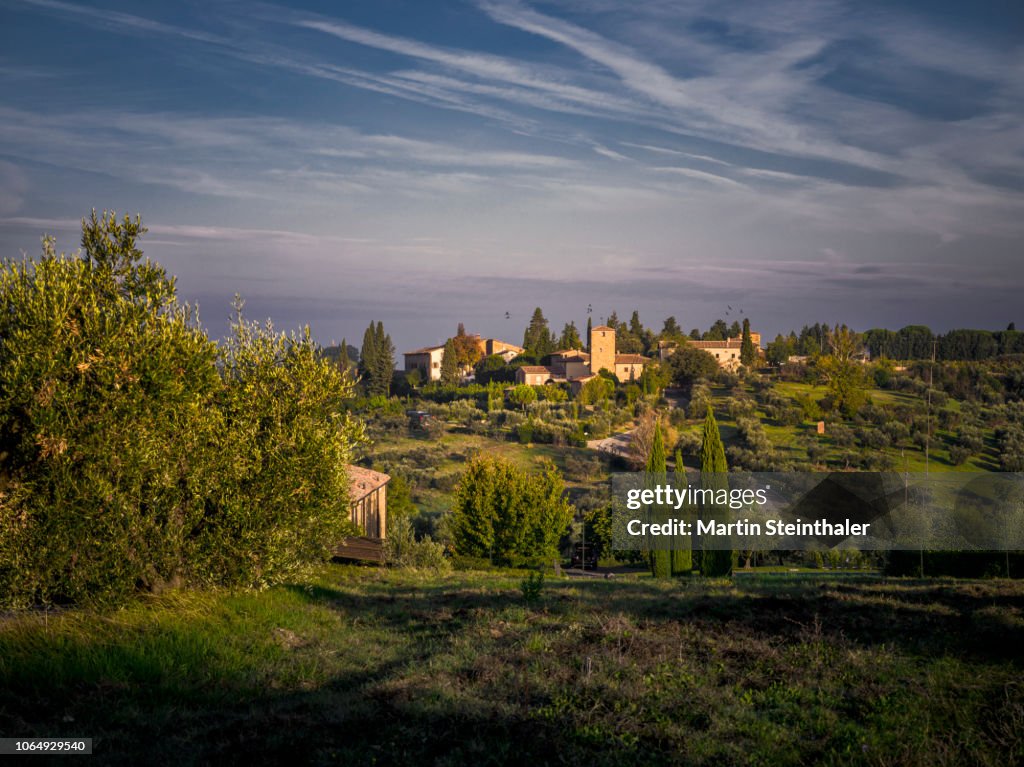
(713,470)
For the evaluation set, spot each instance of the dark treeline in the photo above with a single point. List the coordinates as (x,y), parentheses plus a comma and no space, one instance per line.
(916,342)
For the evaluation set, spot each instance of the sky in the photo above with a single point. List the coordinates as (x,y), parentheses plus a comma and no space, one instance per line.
(429,163)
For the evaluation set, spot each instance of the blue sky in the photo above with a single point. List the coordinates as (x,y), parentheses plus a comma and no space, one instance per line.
(430,163)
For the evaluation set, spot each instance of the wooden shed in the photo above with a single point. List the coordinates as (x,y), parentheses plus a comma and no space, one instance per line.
(368,508)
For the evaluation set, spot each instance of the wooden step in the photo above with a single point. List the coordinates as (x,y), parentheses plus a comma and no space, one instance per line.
(361,548)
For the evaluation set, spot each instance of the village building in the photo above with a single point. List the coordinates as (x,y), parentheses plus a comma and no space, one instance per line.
(577,367)
(726,353)
(490,346)
(426,360)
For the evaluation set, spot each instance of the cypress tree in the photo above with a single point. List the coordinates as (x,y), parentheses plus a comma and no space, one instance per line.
(368,357)
(377,360)
(713,468)
(661,559)
(586,341)
(449,364)
(748,356)
(343,361)
(682,555)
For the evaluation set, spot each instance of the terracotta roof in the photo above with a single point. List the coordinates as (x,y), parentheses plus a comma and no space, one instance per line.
(602,327)
(629,359)
(535,369)
(362,482)
(732,343)
(424,350)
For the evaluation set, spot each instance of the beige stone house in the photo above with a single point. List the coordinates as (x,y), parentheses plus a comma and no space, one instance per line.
(427,360)
(726,353)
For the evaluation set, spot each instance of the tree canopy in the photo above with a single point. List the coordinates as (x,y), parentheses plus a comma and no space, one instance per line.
(136,452)
(538,340)
(502,511)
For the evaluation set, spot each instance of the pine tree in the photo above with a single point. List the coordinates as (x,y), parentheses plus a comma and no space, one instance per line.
(635,326)
(661,559)
(570,337)
(671,329)
(713,469)
(537,340)
(449,364)
(748,356)
(682,555)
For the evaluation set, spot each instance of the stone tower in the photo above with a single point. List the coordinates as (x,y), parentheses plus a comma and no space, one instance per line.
(602,349)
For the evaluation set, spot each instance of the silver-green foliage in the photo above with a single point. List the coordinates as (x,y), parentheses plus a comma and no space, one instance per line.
(135,452)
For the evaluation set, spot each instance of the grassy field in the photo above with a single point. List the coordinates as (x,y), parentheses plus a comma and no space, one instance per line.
(369,666)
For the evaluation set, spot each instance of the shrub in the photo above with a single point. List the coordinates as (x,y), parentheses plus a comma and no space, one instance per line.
(137,453)
(532,586)
(500,509)
(401,549)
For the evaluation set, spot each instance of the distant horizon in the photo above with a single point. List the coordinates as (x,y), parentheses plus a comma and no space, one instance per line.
(425,164)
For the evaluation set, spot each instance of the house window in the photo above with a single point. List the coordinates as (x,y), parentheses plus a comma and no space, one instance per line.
(437,364)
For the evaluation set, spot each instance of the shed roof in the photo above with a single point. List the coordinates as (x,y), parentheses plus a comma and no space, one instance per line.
(362,482)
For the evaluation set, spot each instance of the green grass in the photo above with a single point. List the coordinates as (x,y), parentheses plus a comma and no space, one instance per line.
(368,666)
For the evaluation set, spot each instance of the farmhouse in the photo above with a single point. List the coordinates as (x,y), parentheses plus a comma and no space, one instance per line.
(726,353)
(427,360)
(576,367)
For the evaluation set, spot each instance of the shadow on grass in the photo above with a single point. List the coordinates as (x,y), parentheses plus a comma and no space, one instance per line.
(977,620)
(458,670)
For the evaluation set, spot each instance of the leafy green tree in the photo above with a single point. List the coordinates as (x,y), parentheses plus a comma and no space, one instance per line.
(689,364)
(779,350)
(414,378)
(449,364)
(523,395)
(538,340)
(494,369)
(467,348)
(502,511)
(719,331)
(748,354)
(282,498)
(713,469)
(843,376)
(136,453)
(595,391)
